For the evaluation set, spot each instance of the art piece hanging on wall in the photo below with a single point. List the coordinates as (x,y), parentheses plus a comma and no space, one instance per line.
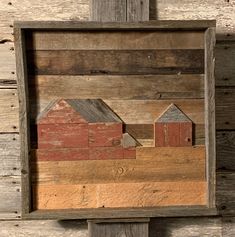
(117,119)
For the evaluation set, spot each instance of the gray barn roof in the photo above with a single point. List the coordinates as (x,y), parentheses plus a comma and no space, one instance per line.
(92,110)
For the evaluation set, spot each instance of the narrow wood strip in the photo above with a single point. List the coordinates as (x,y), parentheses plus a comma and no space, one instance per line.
(65,62)
(126,87)
(91,25)
(151,194)
(114,40)
(151,164)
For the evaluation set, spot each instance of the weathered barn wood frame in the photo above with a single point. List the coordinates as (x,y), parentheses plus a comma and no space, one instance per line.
(208,27)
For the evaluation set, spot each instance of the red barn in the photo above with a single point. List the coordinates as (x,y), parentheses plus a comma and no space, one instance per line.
(173,128)
(81,129)
(78,123)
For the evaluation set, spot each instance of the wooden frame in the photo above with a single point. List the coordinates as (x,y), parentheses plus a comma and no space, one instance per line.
(208,27)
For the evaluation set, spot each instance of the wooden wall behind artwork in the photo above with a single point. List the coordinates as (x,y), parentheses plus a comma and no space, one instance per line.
(223,11)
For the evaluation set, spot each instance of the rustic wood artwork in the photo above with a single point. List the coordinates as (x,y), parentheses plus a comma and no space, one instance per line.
(118,118)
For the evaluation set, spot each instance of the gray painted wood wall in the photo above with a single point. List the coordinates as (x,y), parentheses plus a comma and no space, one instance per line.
(223,11)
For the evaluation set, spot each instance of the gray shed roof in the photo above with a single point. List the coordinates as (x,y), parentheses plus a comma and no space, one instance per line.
(173,114)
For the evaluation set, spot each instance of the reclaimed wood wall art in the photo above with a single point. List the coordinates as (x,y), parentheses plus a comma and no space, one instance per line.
(117,119)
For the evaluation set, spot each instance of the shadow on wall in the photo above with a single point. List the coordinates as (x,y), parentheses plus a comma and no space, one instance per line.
(153,10)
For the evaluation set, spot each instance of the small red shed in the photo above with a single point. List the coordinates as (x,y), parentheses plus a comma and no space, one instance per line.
(173,129)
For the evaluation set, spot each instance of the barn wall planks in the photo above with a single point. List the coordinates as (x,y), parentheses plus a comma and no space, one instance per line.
(41,9)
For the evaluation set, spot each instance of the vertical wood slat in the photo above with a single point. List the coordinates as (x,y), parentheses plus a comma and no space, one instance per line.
(119,227)
(23,119)
(210,113)
(137,10)
(119,10)
(108,10)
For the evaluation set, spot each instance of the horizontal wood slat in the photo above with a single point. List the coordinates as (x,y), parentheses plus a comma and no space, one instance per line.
(114,40)
(151,194)
(145,112)
(126,87)
(65,62)
(151,164)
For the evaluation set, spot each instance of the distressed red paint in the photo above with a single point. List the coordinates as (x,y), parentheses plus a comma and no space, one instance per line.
(62,136)
(105,134)
(175,134)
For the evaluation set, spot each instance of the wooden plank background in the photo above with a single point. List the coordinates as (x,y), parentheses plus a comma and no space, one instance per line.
(223,11)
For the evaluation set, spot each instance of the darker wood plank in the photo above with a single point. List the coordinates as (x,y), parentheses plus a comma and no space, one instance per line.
(127,87)
(23,119)
(225,108)
(89,25)
(225,195)
(137,10)
(225,58)
(130,229)
(225,150)
(108,10)
(210,142)
(92,62)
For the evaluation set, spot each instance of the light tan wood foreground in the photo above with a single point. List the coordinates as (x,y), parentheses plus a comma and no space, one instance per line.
(151,194)
(151,164)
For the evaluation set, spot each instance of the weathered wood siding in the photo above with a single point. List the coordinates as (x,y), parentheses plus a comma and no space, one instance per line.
(223,11)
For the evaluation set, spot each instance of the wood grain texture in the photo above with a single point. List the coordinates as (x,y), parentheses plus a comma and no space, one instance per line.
(167,227)
(228,227)
(118,229)
(151,164)
(114,40)
(210,137)
(23,119)
(225,196)
(224,68)
(222,11)
(78,154)
(108,10)
(9,121)
(189,227)
(41,9)
(142,194)
(145,87)
(62,136)
(9,155)
(47,228)
(137,10)
(225,108)
(225,150)
(145,112)
(95,62)
(10,205)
